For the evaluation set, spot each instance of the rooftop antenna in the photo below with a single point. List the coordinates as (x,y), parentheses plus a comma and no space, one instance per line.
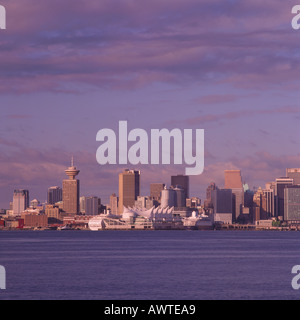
(72,161)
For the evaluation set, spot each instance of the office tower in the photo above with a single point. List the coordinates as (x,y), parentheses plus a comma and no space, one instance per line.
(92,206)
(20,201)
(268,204)
(294,174)
(292,204)
(180,197)
(208,204)
(233,181)
(183,182)
(54,195)
(114,202)
(257,205)
(155,190)
(280,185)
(129,188)
(248,198)
(71,191)
(222,204)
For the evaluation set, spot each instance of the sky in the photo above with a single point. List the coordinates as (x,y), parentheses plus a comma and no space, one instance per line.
(70,68)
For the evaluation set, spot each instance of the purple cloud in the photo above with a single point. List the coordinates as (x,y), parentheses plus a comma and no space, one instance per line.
(58,46)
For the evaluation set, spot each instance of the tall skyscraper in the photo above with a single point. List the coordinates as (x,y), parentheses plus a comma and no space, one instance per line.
(268,204)
(222,204)
(180,197)
(233,181)
(71,191)
(92,206)
(54,195)
(20,201)
(292,204)
(294,174)
(183,182)
(208,203)
(280,185)
(129,188)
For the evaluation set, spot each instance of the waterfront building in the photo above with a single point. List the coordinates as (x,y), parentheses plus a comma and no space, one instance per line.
(222,204)
(138,219)
(280,185)
(20,201)
(129,188)
(35,220)
(92,206)
(71,191)
(53,213)
(292,204)
(233,181)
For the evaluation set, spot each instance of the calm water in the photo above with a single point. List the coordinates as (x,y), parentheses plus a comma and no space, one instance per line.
(149,265)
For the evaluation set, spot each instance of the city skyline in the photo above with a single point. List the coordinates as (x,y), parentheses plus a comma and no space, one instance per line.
(232,179)
(229,68)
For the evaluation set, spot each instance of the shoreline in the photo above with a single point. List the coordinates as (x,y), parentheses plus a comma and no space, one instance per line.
(223,228)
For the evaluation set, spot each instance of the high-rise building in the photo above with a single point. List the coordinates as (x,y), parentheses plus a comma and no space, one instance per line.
(257,205)
(20,201)
(294,174)
(54,195)
(114,202)
(129,188)
(208,203)
(155,190)
(180,197)
(182,182)
(280,185)
(292,204)
(233,181)
(222,204)
(92,206)
(268,204)
(71,191)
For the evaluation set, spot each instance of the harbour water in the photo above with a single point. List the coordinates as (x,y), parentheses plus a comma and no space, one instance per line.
(149,265)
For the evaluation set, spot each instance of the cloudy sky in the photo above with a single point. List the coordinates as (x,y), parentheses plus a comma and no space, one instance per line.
(70,68)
